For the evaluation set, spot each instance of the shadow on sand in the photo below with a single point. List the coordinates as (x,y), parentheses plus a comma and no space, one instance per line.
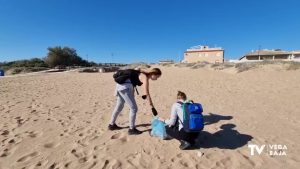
(212,118)
(141,125)
(226,138)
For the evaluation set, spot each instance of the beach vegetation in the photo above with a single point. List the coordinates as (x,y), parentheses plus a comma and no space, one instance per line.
(32,63)
(64,56)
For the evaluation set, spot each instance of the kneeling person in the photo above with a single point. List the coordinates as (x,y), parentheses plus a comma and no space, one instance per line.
(174,125)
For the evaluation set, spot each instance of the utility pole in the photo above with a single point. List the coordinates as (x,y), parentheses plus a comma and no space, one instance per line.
(112,58)
(258,52)
(178,55)
(87,59)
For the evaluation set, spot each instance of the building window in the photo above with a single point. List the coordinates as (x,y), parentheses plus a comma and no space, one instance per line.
(219,54)
(199,54)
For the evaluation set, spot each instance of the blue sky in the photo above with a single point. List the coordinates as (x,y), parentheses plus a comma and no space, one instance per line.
(145,30)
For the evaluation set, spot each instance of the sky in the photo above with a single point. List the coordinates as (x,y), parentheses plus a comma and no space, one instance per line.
(127,31)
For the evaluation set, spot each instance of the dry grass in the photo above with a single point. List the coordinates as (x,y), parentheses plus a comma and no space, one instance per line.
(167,64)
(228,65)
(197,66)
(177,64)
(20,70)
(136,65)
(89,70)
(287,65)
(200,65)
(242,67)
(214,65)
(293,66)
(185,64)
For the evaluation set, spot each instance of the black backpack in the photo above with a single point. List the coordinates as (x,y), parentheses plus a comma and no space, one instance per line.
(121,76)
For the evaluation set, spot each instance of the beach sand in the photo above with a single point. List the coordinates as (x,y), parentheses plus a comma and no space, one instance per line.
(60,120)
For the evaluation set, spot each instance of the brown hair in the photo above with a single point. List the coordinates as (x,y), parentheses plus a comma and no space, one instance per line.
(153,71)
(181,95)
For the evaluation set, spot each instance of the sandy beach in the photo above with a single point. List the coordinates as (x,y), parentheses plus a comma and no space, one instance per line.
(59,121)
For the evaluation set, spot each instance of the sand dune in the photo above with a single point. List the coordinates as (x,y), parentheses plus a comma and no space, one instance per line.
(60,120)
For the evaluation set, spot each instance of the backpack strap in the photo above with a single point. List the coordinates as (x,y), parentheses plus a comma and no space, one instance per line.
(178,119)
(183,109)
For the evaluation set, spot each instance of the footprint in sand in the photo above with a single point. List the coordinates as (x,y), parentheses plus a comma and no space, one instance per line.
(11,141)
(28,157)
(82,157)
(226,161)
(93,165)
(5,153)
(56,107)
(51,145)
(183,161)
(67,164)
(39,164)
(5,133)
(34,134)
(120,136)
(20,121)
(148,151)
(33,111)
(115,164)
(74,153)
(53,166)
(106,162)
(71,117)
(138,160)
(77,154)
(98,148)
(83,160)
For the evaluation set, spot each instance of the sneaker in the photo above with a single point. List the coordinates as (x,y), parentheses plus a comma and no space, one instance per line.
(134,131)
(184,145)
(114,127)
(168,137)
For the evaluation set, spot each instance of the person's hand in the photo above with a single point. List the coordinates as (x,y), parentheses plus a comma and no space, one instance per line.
(154,111)
(161,119)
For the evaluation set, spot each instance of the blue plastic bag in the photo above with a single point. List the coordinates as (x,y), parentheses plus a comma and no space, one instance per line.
(158,128)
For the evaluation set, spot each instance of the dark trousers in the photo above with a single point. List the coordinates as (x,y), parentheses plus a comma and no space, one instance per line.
(181,134)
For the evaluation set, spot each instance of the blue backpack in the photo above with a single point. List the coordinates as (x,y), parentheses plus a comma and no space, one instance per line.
(192,116)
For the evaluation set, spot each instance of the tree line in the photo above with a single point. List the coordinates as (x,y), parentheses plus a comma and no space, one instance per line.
(56,56)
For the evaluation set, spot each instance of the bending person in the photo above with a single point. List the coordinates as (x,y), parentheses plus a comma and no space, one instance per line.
(125,94)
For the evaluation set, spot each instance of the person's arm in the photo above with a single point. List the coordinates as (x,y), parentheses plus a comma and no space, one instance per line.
(145,81)
(173,117)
